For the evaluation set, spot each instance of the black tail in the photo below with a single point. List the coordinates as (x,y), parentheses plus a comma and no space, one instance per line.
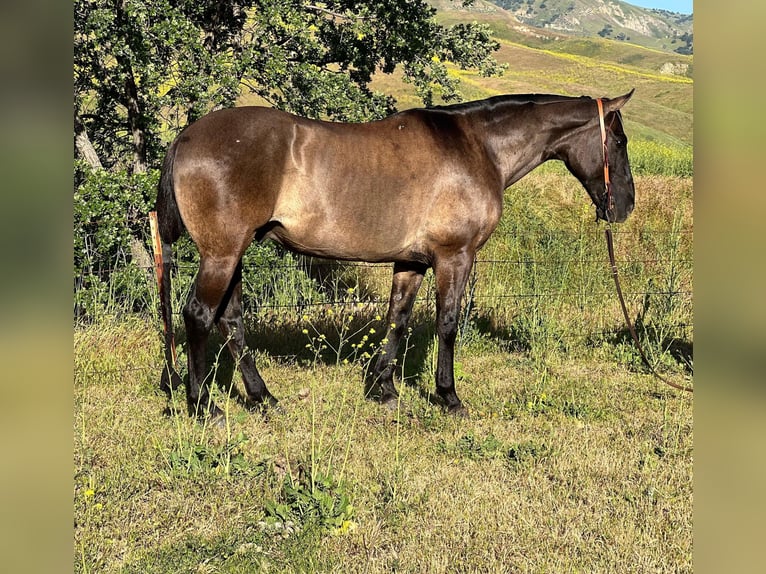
(168,217)
(170,228)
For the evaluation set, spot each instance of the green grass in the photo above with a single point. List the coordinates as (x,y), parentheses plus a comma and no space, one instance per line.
(572,458)
(654,158)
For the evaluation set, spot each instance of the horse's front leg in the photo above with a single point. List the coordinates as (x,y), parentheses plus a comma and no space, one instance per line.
(451,272)
(406,283)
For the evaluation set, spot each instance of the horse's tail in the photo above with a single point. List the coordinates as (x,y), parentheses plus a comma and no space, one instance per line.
(170,229)
(168,217)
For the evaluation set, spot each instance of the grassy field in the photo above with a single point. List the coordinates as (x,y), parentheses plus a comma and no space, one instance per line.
(573,459)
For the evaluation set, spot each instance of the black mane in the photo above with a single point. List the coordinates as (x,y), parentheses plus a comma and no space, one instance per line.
(494,101)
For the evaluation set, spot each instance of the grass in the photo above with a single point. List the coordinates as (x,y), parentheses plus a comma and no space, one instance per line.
(586,469)
(572,458)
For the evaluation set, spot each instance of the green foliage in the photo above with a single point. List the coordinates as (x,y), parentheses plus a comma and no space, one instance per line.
(525,454)
(194,458)
(146,67)
(109,213)
(321,504)
(514,455)
(469,446)
(534,404)
(278,280)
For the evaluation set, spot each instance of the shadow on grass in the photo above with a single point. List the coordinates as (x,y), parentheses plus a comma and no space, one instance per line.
(679,350)
(333,334)
(326,335)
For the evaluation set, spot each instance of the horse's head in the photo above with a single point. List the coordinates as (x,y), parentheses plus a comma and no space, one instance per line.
(586,159)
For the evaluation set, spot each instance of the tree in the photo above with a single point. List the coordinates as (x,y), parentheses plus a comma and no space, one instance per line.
(145,68)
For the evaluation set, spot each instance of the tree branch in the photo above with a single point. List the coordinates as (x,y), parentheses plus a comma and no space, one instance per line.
(136,120)
(334,14)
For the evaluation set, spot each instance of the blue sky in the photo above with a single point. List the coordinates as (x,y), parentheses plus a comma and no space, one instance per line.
(682,6)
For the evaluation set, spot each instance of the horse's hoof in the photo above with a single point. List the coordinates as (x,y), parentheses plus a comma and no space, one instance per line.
(265,407)
(169,382)
(457,410)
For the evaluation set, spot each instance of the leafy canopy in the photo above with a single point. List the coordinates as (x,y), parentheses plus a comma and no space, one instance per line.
(145,68)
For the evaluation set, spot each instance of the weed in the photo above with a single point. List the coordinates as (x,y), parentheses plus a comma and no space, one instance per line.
(469,446)
(190,458)
(526,453)
(321,504)
(350,334)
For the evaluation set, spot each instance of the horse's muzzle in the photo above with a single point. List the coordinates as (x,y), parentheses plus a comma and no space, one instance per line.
(613,215)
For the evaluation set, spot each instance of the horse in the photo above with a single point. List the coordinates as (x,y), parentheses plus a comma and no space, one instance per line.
(420,188)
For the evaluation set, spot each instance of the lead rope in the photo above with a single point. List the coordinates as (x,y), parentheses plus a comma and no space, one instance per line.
(613,263)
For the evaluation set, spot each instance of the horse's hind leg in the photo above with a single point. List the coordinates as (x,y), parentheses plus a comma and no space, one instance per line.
(210,287)
(232,327)
(406,282)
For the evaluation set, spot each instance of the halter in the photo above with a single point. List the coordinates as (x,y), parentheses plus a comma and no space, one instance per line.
(607,183)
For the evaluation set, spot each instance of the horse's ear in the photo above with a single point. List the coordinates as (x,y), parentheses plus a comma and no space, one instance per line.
(614,104)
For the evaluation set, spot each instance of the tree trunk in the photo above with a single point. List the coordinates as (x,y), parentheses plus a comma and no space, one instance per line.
(136,118)
(135,121)
(84,146)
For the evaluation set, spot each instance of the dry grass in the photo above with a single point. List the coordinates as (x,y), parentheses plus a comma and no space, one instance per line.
(563,466)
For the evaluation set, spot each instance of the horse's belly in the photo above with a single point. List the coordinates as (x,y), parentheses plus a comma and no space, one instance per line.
(343,239)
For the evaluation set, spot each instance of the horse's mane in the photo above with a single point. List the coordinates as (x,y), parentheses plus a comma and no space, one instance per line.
(513,99)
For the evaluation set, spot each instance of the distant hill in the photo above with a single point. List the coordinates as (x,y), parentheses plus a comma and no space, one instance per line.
(544,60)
(613,19)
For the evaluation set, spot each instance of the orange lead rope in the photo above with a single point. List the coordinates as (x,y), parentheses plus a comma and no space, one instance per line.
(612,261)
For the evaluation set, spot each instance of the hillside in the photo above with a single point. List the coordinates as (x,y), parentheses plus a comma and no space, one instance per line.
(542,60)
(613,19)
(546,61)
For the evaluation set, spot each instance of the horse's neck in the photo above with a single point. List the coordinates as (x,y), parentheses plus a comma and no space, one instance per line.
(520,138)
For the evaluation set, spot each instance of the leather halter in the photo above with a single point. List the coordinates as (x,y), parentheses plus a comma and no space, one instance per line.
(610,248)
(609,203)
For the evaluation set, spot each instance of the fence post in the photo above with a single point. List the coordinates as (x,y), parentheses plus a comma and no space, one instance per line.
(159,270)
